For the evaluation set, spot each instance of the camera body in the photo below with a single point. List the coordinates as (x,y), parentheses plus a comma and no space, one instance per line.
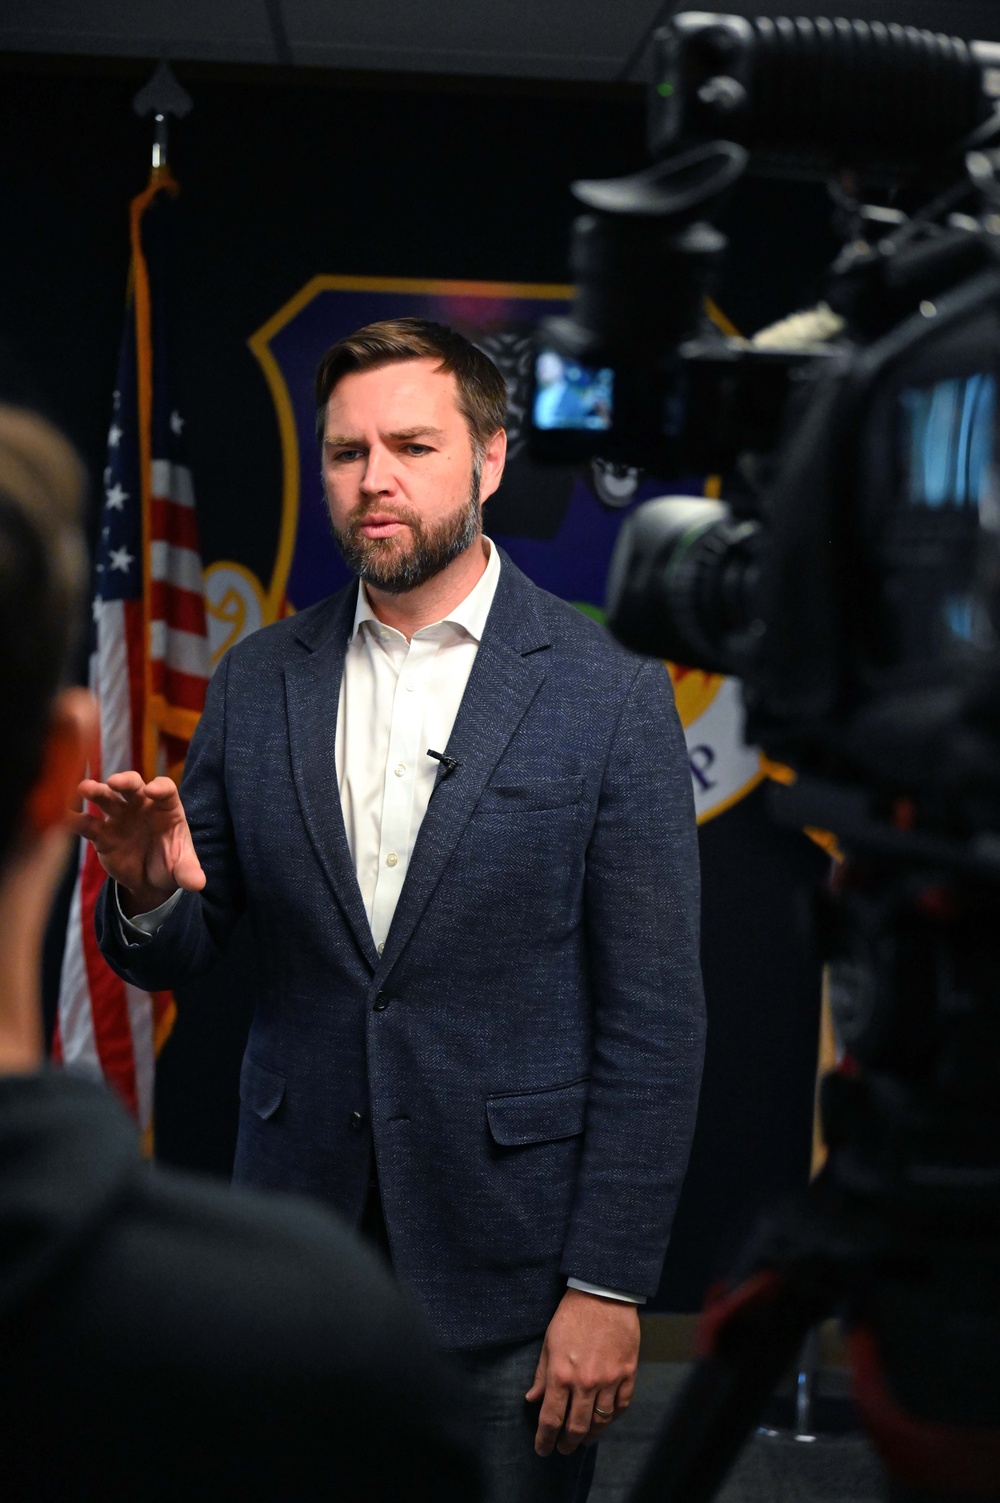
(853,582)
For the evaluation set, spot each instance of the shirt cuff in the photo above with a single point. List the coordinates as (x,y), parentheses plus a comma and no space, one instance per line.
(626,1299)
(142,926)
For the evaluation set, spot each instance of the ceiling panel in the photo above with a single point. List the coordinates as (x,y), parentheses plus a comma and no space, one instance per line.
(533,38)
(559,39)
(554,38)
(211,30)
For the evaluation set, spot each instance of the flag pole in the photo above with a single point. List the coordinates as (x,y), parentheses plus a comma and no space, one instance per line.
(161,97)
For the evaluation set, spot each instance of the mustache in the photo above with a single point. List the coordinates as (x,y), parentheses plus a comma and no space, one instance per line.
(366,509)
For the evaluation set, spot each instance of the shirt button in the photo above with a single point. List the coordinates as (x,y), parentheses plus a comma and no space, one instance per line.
(380,946)
(400,770)
(392,859)
(355,1122)
(409,686)
(381,1002)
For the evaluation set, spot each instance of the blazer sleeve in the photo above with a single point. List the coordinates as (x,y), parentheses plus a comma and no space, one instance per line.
(196,932)
(642,905)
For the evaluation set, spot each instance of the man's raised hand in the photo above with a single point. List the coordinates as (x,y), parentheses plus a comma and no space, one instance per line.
(141,837)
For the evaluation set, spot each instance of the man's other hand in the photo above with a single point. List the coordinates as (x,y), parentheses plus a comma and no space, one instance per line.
(589,1360)
(141,837)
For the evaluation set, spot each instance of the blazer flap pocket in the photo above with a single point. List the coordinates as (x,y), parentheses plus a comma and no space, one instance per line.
(261,1090)
(545,793)
(538,1116)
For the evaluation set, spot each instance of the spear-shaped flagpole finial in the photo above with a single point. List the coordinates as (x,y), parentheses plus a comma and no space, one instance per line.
(162,97)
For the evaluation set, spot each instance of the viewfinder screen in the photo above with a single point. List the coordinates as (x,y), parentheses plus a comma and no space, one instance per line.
(948,433)
(946,498)
(571,395)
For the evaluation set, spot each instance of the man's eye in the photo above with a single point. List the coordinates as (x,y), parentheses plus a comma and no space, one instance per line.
(346,456)
(418,448)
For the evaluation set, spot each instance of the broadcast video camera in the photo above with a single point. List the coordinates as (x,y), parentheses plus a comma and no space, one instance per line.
(852,582)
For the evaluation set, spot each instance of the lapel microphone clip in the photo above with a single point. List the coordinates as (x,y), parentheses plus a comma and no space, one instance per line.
(448,764)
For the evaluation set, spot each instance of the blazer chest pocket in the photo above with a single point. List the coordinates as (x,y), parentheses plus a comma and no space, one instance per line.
(548,793)
(538,1116)
(262,1090)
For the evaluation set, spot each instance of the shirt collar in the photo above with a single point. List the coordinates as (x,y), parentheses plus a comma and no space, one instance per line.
(470,614)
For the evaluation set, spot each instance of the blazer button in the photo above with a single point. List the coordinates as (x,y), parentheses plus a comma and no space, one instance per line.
(381,1002)
(356,1121)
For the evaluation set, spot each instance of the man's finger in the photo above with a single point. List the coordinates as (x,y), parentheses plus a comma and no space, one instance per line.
(92,790)
(606,1403)
(607,1407)
(87,787)
(551,1417)
(576,1425)
(161,789)
(90,826)
(128,784)
(103,797)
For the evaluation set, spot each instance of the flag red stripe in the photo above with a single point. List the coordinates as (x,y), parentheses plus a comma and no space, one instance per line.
(107,995)
(173,524)
(175,748)
(181,609)
(185,690)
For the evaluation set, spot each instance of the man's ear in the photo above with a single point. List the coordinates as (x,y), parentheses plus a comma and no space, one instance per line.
(70,743)
(494,458)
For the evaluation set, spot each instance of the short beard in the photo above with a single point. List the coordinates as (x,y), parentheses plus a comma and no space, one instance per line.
(381,563)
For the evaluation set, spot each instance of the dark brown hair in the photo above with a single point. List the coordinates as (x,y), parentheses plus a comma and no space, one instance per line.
(482,391)
(42,573)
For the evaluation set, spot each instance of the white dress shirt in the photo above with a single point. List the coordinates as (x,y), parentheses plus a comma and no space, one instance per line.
(398,701)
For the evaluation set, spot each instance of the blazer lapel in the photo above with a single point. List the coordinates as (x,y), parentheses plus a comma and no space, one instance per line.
(312,690)
(507,674)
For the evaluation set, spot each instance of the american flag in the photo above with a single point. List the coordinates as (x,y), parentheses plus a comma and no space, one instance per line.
(149,656)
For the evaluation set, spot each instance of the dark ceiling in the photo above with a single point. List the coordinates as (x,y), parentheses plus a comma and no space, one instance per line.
(585,40)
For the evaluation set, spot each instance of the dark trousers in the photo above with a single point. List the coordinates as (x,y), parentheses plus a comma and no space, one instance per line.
(498,1378)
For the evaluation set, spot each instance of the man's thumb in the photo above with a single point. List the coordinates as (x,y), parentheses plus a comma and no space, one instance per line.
(188,873)
(538,1387)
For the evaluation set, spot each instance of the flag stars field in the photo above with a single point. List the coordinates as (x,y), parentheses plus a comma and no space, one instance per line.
(120,558)
(116,496)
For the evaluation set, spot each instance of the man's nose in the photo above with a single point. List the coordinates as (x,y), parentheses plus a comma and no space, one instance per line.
(377,479)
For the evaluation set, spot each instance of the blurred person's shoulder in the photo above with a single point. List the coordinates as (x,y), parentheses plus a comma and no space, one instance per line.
(248,1344)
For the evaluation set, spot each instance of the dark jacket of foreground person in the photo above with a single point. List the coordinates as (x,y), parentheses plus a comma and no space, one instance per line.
(162,1338)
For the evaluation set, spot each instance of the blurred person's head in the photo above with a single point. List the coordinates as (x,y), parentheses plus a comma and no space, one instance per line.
(48,730)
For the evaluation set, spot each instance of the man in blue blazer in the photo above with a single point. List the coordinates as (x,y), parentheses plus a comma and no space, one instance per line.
(460,818)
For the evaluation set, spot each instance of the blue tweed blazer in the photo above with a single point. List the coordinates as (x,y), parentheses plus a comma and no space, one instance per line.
(526,1053)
